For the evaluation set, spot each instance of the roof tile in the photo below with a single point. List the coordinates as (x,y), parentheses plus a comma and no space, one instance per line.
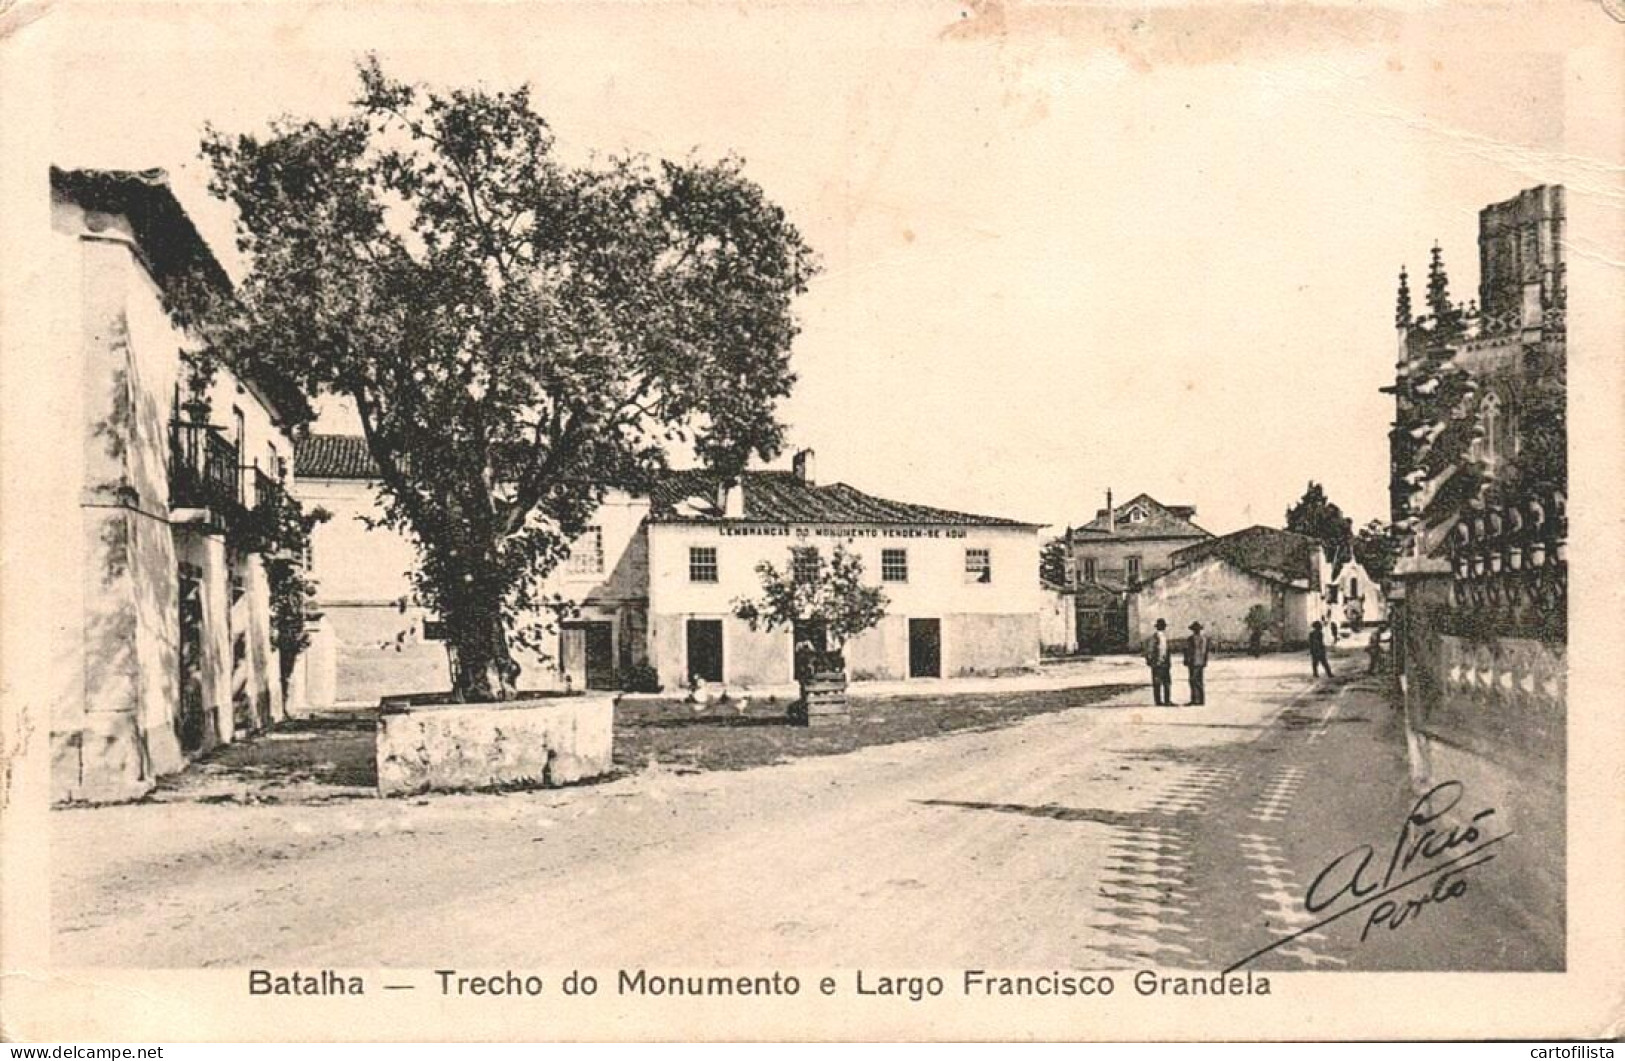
(690,495)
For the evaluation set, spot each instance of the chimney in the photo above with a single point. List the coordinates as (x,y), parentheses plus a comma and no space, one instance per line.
(804,467)
(1111,513)
(731,498)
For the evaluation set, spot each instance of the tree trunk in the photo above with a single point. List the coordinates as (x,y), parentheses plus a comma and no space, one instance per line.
(482,668)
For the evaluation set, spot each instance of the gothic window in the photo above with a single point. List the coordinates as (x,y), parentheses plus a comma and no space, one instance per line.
(1497,441)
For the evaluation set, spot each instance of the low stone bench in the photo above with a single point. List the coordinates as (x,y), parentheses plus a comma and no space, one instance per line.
(541,741)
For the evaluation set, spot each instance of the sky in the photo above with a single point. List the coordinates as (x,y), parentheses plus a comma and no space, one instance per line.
(1066,248)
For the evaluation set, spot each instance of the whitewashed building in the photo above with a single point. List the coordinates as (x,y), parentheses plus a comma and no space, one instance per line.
(1353,597)
(1217,582)
(164,625)
(654,581)
(963,592)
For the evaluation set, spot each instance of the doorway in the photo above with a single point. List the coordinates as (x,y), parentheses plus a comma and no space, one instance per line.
(1091,630)
(705,650)
(811,640)
(192,722)
(587,654)
(925,648)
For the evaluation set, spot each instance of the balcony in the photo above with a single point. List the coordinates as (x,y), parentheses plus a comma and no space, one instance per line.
(265,493)
(204,476)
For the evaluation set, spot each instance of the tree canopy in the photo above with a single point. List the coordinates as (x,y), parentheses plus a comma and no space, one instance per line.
(1052,562)
(1318,516)
(1377,547)
(829,593)
(518,335)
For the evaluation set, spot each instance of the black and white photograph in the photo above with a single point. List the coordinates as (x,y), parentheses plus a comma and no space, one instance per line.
(977,519)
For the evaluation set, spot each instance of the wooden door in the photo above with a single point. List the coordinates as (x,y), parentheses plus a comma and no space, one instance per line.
(925,648)
(573,655)
(600,655)
(705,650)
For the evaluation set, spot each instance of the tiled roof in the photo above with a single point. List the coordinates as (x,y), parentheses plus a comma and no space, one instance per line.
(168,239)
(1161,521)
(333,457)
(782,497)
(1265,551)
(691,495)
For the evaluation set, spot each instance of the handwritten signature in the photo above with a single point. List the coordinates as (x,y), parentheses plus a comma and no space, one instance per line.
(1426,849)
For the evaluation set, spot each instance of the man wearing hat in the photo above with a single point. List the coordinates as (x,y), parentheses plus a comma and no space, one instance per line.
(1196,652)
(1160,659)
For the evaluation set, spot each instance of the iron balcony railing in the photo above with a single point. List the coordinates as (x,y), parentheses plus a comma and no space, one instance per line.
(266,498)
(203,471)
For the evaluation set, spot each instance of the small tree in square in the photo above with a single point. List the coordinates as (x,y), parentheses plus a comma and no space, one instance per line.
(822,600)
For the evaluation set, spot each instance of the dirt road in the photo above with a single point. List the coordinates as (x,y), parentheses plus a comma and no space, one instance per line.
(1108,836)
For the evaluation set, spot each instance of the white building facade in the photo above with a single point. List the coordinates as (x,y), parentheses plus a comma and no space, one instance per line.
(166,627)
(654,582)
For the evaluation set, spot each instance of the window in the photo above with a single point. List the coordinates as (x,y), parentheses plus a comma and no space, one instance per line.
(804,564)
(1136,514)
(587,554)
(1354,587)
(1497,440)
(1090,571)
(894,565)
(1134,569)
(702,563)
(978,566)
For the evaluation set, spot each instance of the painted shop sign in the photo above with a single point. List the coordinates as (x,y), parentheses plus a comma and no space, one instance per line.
(786,530)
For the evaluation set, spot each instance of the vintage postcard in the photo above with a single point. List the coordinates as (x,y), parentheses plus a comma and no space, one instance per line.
(952,519)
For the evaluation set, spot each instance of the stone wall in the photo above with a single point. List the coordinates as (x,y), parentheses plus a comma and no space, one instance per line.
(558,740)
(1491,712)
(977,644)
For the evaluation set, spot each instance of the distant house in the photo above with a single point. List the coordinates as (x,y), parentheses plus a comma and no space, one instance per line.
(1219,581)
(1122,547)
(653,583)
(1353,597)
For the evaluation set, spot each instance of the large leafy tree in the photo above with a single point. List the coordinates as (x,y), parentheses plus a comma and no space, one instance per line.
(517,334)
(1318,516)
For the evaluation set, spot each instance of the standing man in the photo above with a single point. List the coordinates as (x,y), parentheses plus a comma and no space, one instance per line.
(1317,651)
(1196,653)
(1160,660)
